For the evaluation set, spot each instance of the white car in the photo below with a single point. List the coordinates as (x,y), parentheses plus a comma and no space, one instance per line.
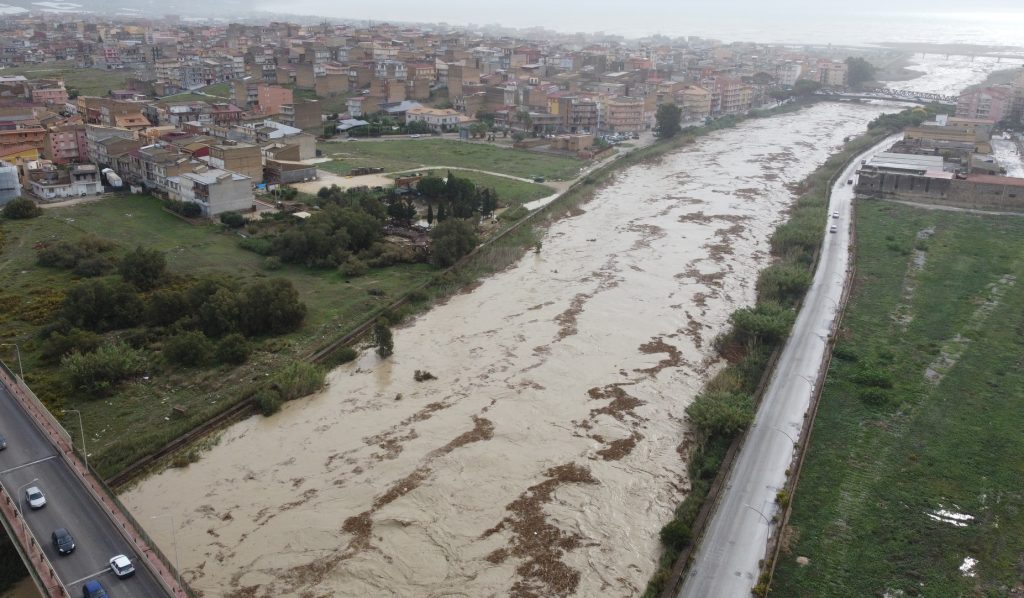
(34,497)
(835,214)
(122,566)
(833,229)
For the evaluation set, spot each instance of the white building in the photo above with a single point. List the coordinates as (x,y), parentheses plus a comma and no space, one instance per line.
(216,191)
(435,118)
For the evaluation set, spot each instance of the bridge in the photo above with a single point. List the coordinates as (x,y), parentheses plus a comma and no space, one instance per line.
(897,95)
(40,453)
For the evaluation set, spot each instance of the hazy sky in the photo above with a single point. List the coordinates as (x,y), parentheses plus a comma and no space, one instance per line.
(758,20)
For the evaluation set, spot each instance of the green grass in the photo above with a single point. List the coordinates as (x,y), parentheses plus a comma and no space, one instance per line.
(874,471)
(219,89)
(444,152)
(510,192)
(139,418)
(88,82)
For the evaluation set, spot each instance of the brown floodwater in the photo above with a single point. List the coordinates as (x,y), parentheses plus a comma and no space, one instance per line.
(551,447)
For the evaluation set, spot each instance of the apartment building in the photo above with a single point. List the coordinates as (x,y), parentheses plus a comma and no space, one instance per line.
(989,103)
(243,158)
(624,115)
(65,144)
(436,118)
(215,191)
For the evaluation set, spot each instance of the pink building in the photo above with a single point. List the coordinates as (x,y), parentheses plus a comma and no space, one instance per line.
(65,144)
(989,103)
(271,98)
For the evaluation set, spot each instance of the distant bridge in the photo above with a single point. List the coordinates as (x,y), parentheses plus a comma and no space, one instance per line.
(899,95)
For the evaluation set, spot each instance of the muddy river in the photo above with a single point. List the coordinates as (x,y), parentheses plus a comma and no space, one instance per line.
(551,447)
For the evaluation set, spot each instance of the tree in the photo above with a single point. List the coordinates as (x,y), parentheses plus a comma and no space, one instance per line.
(143,268)
(431,187)
(442,213)
(21,208)
(452,239)
(190,348)
(488,202)
(859,71)
(270,307)
(97,372)
(219,313)
(383,339)
(232,220)
(233,349)
(668,118)
(806,87)
(102,305)
(430,214)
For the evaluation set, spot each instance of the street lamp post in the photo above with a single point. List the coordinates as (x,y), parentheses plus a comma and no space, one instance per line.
(758,511)
(81,431)
(17,350)
(174,539)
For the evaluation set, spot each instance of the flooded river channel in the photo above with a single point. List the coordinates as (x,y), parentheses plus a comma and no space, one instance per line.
(551,447)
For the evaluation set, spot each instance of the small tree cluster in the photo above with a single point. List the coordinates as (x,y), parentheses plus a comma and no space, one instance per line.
(668,118)
(87,256)
(21,208)
(98,372)
(451,241)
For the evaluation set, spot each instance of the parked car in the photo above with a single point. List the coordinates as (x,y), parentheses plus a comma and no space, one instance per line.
(63,541)
(538,179)
(93,589)
(849,181)
(414,136)
(34,497)
(833,229)
(122,566)
(835,214)
(3,443)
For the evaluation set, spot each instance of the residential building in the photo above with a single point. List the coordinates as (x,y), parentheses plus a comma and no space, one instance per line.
(215,191)
(242,158)
(10,184)
(48,181)
(695,103)
(624,115)
(303,114)
(437,119)
(66,143)
(989,103)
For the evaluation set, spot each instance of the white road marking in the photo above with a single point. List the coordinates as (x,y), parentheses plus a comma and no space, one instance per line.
(27,464)
(87,577)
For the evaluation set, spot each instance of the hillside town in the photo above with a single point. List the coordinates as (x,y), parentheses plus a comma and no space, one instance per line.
(216,115)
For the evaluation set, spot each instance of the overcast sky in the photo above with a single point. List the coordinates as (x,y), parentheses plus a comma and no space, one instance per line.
(757,20)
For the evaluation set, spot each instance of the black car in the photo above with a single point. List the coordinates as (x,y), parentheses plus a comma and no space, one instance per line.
(3,443)
(63,541)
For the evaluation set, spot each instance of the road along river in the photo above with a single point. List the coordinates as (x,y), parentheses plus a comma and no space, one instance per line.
(551,448)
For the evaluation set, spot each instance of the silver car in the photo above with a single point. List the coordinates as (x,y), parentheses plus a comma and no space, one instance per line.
(34,497)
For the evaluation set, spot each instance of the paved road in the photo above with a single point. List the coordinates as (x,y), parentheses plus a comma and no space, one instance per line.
(29,455)
(726,560)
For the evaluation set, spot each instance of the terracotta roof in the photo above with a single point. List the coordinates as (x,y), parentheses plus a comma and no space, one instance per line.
(991,179)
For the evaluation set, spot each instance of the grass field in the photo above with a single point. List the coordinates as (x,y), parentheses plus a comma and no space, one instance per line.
(88,82)
(412,153)
(510,192)
(335,305)
(921,413)
(218,89)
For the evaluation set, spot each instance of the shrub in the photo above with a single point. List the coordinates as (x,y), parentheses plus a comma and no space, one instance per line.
(143,268)
(268,401)
(676,534)
(766,323)
(721,414)
(70,254)
(232,220)
(59,344)
(93,266)
(190,348)
(98,372)
(233,349)
(342,355)
(875,397)
(298,379)
(21,208)
(868,375)
(383,339)
(784,283)
(258,245)
(353,267)
(513,214)
(423,375)
(272,263)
